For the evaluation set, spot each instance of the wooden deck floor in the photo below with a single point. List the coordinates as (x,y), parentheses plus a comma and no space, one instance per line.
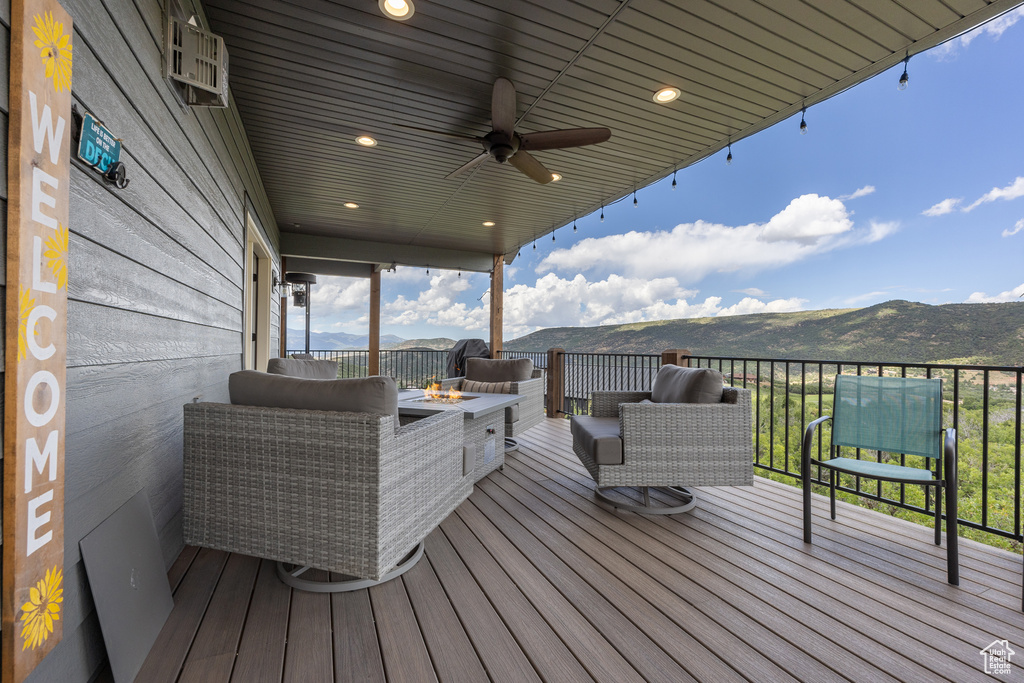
(530,580)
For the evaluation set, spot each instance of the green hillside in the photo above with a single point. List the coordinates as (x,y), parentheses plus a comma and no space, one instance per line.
(896,331)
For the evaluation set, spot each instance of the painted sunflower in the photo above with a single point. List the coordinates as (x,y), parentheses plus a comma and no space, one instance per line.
(25,305)
(55,50)
(42,609)
(56,255)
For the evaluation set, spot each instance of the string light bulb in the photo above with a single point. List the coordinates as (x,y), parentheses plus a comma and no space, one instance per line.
(635,205)
(904,79)
(574,224)
(803,123)
(602,213)
(728,159)
(552,235)
(674,180)
(535,244)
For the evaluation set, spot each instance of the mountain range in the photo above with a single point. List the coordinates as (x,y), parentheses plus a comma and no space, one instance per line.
(895,331)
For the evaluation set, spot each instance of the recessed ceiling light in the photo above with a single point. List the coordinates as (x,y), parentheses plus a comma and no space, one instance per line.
(396,9)
(351,205)
(555,177)
(366,141)
(666,95)
(488,224)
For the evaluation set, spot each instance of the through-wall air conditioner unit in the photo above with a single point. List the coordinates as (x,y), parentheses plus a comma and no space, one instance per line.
(199,60)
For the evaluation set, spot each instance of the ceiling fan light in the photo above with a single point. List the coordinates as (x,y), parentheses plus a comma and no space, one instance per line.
(366,141)
(666,95)
(396,9)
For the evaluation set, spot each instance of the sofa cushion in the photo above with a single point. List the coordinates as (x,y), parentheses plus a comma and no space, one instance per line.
(309,369)
(486,387)
(676,384)
(499,370)
(378,395)
(599,437)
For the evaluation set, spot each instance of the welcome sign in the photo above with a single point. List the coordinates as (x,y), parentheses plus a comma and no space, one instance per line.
(36,343)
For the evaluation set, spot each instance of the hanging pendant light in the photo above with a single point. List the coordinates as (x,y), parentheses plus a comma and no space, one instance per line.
(728,159)
(904,79)
(602,213)
(674,179)
(803,123)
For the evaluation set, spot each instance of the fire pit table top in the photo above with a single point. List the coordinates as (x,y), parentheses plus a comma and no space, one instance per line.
(412,402)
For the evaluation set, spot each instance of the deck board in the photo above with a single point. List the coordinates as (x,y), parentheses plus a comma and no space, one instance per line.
(532,579)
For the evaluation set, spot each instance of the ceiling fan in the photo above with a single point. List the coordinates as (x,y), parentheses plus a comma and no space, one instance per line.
(504,144)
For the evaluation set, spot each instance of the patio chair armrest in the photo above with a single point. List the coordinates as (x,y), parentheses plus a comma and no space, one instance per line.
(606,403)
(451,383)
(648,426)
(805,447)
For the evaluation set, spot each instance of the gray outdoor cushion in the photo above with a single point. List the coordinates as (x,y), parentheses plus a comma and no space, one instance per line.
(309,369)
(475,387)
(499,370)
(599,437)
(378,395)
(512,414)
(676,384)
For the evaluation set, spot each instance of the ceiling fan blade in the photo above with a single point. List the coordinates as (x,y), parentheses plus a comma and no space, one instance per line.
(441,133)
(560,139)
(530,166)
(503,106)
(475,161)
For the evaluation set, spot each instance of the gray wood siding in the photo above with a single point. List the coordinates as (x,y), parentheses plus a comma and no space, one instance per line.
(155,300)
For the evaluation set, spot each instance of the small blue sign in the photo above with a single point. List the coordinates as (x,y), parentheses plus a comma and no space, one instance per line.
(97,146)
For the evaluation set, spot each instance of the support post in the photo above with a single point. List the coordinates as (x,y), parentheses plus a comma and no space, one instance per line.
(373,363)
(283,341)
(680,357)
(497,305)
(555,402)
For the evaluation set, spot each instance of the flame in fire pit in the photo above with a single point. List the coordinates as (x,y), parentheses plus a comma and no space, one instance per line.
(433,392)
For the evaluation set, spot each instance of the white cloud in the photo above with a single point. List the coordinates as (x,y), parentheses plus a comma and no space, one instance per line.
(994,29)
(554,301)
(1011,191)
(983,298)
(809,225)
(1018,226)
(752,291)
(943,207)
(879,231)
(435,303)
(749,305)
(331,295)
(858,193)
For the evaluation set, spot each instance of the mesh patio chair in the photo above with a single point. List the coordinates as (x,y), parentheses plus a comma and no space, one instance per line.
(895,415)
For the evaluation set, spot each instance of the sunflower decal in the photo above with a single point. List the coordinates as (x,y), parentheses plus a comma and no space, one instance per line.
(54,49)
(56,255)
(25,305)
(42,609)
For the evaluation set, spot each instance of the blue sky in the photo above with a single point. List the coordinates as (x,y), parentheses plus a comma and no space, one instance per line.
(914,195)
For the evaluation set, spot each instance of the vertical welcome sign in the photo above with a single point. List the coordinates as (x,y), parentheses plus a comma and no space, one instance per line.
(36,344)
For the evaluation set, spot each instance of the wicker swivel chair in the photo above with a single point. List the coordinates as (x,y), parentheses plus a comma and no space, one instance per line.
(318,473)
(687,431)
(506,376)
(896,415)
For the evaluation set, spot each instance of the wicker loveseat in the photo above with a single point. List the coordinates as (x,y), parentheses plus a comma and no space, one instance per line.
(344,489)
(506,376)
(688,431)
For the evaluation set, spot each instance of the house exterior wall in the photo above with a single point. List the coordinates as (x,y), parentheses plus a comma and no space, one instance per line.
(155,291)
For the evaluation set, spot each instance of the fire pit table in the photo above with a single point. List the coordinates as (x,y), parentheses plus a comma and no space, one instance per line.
(483,442)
